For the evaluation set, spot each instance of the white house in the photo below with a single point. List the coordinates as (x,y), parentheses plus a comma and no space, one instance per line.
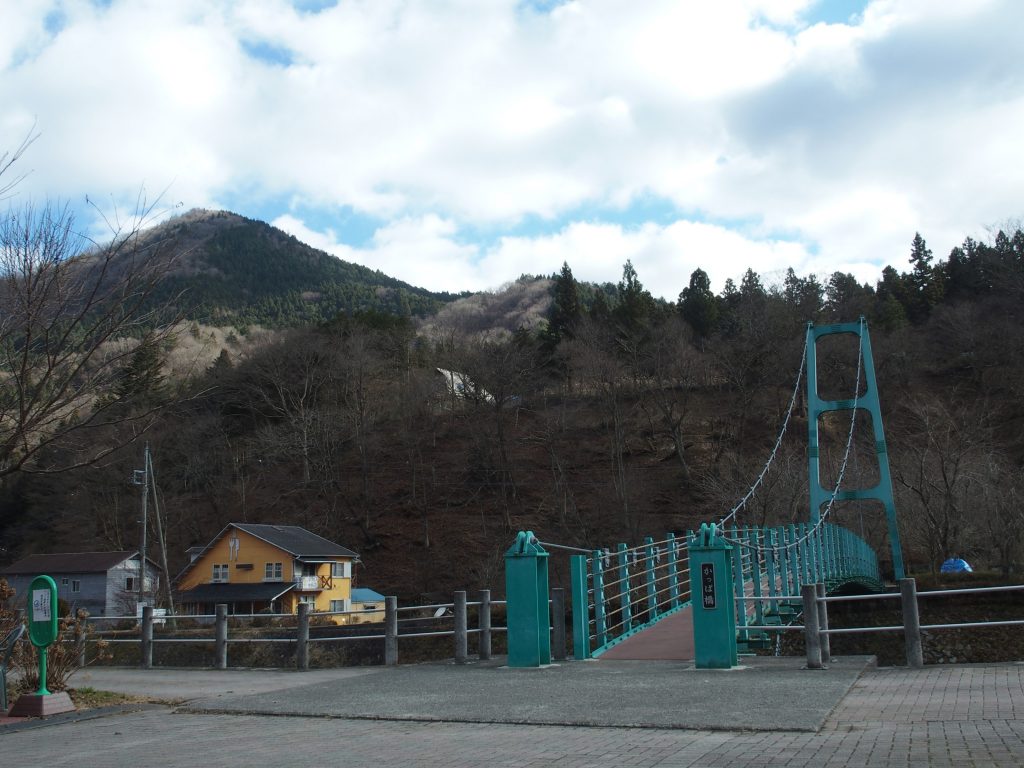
(103,583)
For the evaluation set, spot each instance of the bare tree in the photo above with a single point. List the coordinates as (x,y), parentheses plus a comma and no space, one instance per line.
(596,365)
(942,471)
(64,301)
(670,366)
(1002,512)
(286,384)
(8,159)
(503,373)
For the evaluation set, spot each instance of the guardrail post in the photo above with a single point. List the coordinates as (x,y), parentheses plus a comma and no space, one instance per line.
(794,559)
(741,605)
(81,633)
(812,636)
(461,629)
(911,623)
(673,569)
(302,638)
(652,590)
(755,569)
(600,622)
(833,551)
(826,645)
(819,562)
(390,631)
(779,541)
(558,643)
(770,553)
(221,652)
(147,638)
(580,607)
(625,590)
(484,624)
(805,554)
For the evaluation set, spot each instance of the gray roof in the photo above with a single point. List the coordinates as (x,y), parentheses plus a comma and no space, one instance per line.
(69,562)
(296,540)
(230,593)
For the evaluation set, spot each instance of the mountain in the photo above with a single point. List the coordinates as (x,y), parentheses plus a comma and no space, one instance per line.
(231,270)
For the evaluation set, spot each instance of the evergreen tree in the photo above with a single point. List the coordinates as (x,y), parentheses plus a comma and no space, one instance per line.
(965,273)
(803,295)
(890,305)
(924,281)
(698,305)
(751,286)
(565,310)
(846,299)
(635,302)
(599,309)
(142,377)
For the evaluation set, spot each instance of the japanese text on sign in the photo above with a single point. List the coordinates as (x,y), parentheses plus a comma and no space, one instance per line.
(707,585)
(41,605)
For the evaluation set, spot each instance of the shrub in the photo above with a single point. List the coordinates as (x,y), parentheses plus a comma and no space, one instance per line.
(73,632)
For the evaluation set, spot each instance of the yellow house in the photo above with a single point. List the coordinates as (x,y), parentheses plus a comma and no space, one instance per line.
(367,605)
(253,568)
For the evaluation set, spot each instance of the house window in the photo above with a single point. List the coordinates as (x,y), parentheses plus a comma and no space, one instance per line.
(220,572)
(64,581)
(273,572)
(341,570)
(308,600)
(341,606)
(129,584)
(76,585)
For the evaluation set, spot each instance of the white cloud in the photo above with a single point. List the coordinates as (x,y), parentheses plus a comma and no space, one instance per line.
(427,252)
(421,251)
(452,116)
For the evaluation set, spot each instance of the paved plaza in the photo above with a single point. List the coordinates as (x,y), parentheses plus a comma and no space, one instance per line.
(940,716)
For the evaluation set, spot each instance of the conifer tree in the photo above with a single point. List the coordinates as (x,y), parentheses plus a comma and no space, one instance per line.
(565,310)
(698,305)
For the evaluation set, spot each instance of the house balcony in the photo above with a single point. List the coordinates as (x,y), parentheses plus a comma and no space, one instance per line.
(312,583)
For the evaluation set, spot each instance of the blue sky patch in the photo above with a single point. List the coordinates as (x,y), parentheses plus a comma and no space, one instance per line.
(835,12)
(275,55)
(313,6)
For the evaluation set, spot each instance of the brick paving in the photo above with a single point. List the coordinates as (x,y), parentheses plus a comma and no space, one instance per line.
(940,716)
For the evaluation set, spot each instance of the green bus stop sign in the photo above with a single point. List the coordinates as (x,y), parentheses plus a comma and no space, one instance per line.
(42,621)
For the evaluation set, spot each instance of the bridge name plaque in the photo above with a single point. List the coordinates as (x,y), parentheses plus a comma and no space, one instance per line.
(707,585)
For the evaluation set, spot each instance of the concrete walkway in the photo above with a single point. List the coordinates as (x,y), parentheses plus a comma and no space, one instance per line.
(942,716)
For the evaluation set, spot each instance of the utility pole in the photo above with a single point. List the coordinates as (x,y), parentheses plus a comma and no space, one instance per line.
(141,477)
(163,542)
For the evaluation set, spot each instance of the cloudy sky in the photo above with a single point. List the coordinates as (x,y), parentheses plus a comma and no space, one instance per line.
(457,144)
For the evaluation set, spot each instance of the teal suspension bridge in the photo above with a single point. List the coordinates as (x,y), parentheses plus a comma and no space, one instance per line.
(733,583)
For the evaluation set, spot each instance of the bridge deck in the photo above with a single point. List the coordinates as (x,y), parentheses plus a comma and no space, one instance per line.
(671,639)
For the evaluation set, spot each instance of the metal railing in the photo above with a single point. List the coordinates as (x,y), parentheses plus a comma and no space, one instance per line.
(817,631)
(456,611)
(626,590)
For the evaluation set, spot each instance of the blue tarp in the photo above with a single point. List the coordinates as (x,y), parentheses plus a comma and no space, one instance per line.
(956,565)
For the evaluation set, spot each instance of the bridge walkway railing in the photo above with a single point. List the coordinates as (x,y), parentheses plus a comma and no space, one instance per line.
(619,592)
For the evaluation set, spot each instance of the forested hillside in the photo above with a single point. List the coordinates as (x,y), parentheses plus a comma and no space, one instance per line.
(229,270)
(616,417)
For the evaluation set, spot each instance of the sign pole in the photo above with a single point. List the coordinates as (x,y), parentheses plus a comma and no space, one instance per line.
(42,632)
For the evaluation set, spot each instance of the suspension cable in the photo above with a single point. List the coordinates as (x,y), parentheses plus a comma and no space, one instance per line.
(778,442)
(842,468)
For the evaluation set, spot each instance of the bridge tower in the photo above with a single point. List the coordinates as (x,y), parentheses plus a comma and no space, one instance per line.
(816,407)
